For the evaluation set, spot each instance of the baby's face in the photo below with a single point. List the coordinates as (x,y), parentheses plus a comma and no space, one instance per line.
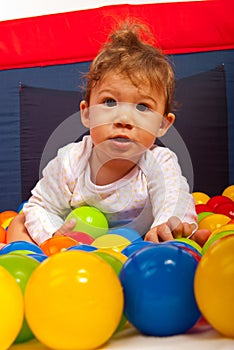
(124,118)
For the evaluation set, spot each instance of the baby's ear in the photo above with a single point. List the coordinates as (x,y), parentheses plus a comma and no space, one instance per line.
(84,113)
(166,124)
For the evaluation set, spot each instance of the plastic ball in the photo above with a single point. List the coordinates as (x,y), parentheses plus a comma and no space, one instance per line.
(89,220)
(228,227)
(38,257)
(2,235)
(57,244)
(21,246)
(21,207)
(116,264)
(112,241)
(214,286)
(117,254)
(190,243)
(84,247)
(83,303)
(226,209)
(80,237)
(212,240)
(135,246)
(202,215)
(21,268)
(112,260)
(190,249)
(158,289)
(4,215)
(200,197)
(200,208)
(214,221)
(229,192)
(12,309)
(213,202)
(129,233)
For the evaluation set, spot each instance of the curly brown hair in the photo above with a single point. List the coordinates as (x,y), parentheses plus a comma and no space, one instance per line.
(129,51)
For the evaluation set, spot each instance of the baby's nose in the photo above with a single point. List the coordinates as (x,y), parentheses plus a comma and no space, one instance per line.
(123,124)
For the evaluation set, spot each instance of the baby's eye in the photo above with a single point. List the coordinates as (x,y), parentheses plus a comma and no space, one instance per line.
(142,107)
(110,102)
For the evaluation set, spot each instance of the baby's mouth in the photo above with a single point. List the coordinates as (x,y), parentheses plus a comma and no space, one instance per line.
(122,139)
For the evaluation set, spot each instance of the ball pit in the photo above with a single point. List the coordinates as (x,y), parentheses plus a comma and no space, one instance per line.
(146,304)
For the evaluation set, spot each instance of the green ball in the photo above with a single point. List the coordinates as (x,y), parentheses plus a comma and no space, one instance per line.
(190,242)
(20,267)
(89,220)
(202,215)
(215,238)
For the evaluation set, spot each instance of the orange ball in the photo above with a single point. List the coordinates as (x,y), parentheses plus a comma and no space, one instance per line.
(4,215)
(2,235)
(57,244)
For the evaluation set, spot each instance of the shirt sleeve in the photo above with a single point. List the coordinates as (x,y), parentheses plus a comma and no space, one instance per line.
(168,188)
(50,200)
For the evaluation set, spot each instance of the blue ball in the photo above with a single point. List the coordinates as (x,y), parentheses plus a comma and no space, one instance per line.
(135,246)
(20,207)
(38,257)
(85,247)
(129,233)
(21,245)
(158,290)
(183,245)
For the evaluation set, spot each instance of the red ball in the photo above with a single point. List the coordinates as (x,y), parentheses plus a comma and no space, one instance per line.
(226,209)
(80,237)
(217,200)
(201,208)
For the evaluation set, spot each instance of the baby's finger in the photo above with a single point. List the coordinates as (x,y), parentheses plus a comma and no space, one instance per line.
(176,227)
(164,232)
(188,229)
(67,226)
(152,235)
(201,236)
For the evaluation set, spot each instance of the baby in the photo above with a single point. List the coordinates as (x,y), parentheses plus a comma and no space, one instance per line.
(118,168)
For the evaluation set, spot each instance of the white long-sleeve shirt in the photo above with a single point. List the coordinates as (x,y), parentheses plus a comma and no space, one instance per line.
(149,195)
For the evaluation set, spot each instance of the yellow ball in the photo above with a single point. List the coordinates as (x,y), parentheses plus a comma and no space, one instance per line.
(74,300)
(115,253)
(228,227)
(229,192)
(111,241)
(214,286)
(200,197)
(213,222)
(11,309)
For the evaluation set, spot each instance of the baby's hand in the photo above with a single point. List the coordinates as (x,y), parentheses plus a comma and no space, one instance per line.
(175,228)
(65,228)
